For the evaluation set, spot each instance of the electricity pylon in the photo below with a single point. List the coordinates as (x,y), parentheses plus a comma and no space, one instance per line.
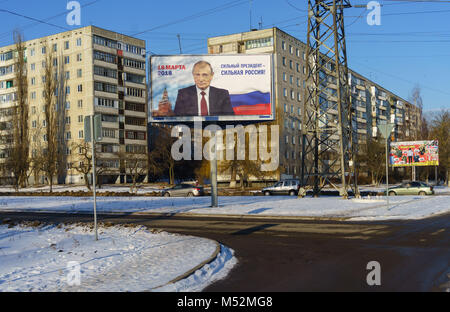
(327,133)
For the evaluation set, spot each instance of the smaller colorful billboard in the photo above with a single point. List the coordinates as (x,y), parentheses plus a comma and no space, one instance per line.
(414,153)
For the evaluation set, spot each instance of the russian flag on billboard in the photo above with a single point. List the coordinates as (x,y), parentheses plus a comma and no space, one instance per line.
(253,103)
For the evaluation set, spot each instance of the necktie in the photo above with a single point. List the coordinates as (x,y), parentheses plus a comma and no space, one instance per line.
(203,105)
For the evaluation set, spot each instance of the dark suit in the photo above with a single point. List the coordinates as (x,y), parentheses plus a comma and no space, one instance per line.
(187,102)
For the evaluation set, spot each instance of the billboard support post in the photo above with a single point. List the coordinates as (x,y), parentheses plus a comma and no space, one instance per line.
(213,167)
(386,130)
(435,175)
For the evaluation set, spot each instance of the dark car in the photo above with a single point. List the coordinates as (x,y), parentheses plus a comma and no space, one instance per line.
(286,187)
(411,188)
(183,189)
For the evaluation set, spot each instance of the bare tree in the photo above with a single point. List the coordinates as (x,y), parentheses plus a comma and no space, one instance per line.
(440,130)
(372,159)
(18,161)
(83,160)
(51,123)
(135,165)
(160,158)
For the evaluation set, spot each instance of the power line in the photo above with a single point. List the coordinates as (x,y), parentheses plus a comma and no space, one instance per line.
(194,16)
(400,78)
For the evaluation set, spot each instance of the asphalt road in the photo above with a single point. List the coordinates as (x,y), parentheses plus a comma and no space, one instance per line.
(279,254)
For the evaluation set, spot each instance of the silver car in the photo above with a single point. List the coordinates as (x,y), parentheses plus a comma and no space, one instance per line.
(286,187)
(183,190)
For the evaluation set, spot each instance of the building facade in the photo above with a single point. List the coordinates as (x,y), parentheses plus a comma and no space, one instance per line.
(96,72)
(372,104)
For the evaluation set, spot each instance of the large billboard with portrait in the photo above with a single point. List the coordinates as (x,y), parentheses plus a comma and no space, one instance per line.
(211,88)
(414,153)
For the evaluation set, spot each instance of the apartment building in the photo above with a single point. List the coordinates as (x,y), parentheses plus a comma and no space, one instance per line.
(97,72)
(372,104)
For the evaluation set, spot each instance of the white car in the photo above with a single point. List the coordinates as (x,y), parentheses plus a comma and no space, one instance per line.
(286,187)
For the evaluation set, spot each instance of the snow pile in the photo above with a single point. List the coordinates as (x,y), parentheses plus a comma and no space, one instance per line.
(373,208)
(48,258)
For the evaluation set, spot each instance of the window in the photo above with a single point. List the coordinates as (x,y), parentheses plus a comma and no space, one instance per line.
(104,102)
(55,47)
(79,73)
(284,61)
(80,118)
(33,82)
(34,124)
(105,42)
(55,62)
(135,92)
(68,135)
(283,45)
(285,92)
(66,59)
(108,133)
(6,70)
(105,87)
(67,105)
(137,107)
(80,134)
(33,109)
(33,66)
(79,57)
(67,90)
(134,64)
(135,135)
(44,50)
(80,88)
(135,121)
(80,103)
(105,72)
(79,42)
(105,57)
(109,118)
(133,49)
(32,52)
(66,45)
(67,75)
(259,43)
(67,120)
(6,56)
(291,50)
(134,78)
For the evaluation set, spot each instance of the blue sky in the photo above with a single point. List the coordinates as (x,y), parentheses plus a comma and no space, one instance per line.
(410,47)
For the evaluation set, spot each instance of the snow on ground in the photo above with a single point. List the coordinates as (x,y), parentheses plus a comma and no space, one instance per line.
(123,259)
(374,208)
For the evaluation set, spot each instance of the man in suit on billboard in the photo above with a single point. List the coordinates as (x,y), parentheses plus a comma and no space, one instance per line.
(202,99)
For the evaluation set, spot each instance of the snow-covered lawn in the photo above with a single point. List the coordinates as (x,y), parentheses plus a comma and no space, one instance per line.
(374,208)
(46,258)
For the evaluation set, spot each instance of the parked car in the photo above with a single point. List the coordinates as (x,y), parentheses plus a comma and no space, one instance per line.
(411,188)
(183,189)
(289,187)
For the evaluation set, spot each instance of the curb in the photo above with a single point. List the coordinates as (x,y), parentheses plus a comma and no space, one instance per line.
(191,271)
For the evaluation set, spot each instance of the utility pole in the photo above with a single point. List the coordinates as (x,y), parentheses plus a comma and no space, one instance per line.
(179,43)
(327,133)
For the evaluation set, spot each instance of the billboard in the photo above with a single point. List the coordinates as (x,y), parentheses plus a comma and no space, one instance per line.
(211,88)
(414,153)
